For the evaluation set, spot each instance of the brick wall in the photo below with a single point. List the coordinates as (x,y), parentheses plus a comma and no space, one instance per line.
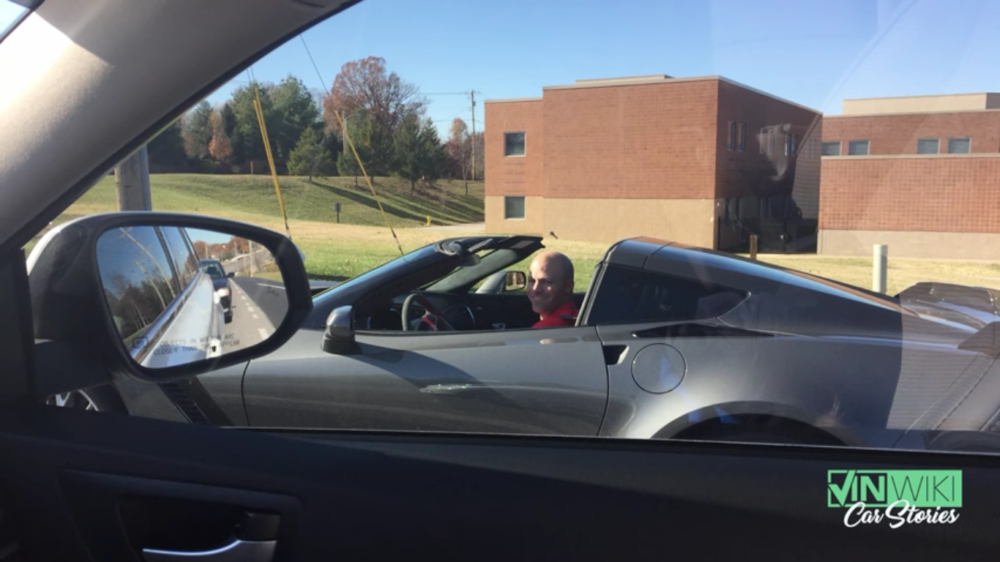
(747,173)
(513,175)
(642,141)
(898,134)
(933,193)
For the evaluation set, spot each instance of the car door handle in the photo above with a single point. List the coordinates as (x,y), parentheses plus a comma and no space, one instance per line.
(254,541)
(238,550)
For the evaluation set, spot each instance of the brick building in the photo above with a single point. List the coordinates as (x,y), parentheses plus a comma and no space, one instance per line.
(701,160)
(920,173)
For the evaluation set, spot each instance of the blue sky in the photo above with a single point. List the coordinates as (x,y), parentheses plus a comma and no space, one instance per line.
(812,52)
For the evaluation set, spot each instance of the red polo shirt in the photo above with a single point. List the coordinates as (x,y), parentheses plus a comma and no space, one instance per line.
(564,315)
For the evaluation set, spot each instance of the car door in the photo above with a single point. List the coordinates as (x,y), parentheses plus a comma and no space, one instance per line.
(543,381)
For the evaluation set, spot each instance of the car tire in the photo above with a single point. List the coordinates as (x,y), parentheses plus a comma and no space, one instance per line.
(99,398)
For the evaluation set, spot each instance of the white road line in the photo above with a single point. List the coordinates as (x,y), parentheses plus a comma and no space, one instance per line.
(255,317)
(263,333)
(250,310)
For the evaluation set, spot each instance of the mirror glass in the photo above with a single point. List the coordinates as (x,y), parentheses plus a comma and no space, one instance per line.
(181,295)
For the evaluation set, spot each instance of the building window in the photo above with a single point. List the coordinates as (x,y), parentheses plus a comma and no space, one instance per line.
(741,136)
(513,207)
(857,148)
(766,141)
(959,145)
(513,144)
(791,145)
(731,140)
(831,148)
(927,146)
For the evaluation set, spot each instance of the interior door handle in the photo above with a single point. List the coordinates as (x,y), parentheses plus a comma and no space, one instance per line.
(255,540)
(238,550)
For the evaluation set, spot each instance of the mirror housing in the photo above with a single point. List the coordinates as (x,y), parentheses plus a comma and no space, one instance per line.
(339,336)
(231,274)
(70,308)
(515,281)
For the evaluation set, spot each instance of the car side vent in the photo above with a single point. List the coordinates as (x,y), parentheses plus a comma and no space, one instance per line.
(613,354)
(697,330)
(179,396)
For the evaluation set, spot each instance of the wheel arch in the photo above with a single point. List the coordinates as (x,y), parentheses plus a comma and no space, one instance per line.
(752,414)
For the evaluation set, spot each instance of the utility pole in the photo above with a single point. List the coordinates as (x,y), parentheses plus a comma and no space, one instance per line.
(472,95)
(132,182)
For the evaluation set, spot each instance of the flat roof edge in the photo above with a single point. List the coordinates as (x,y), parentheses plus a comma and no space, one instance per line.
(512,100)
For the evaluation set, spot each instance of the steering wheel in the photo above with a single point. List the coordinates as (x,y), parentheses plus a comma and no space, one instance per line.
(439,322)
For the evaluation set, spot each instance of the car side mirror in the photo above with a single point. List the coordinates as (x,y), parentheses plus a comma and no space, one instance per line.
(339,336)
(515,281)
(231,274)
(123,294)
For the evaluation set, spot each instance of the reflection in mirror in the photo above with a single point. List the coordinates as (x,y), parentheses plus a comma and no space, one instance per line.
(181,295)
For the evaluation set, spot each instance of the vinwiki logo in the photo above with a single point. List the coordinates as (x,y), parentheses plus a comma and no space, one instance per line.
(895,497)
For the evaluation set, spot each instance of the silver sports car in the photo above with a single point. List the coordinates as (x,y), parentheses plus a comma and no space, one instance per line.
(671,342)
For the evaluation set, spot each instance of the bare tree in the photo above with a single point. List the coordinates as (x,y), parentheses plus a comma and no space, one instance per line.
(459,149)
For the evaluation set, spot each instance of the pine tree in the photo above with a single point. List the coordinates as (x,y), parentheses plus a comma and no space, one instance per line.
(309,157)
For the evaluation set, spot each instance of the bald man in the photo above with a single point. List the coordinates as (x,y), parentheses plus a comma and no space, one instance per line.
(550,290)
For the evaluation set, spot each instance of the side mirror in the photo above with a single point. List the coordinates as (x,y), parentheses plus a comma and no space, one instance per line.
(125,294)
(339,336)
(515,281)
(231,274)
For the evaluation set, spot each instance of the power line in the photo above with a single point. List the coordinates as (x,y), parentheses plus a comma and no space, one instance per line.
(313,61)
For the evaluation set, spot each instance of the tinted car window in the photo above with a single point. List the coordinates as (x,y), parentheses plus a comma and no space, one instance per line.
(627,295)
(139,283)
(182,253)
(214,270)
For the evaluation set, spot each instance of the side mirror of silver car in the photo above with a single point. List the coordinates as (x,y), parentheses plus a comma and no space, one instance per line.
(339,336)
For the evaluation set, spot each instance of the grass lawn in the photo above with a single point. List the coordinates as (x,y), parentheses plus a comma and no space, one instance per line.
(362,241)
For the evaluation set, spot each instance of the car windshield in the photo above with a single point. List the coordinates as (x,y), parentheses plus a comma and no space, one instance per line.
(760,222)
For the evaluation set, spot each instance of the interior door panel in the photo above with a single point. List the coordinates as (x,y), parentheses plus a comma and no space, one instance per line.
(391,496)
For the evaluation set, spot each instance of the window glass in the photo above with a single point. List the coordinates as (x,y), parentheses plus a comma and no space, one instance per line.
(636,295)
(214,270)
(831,148)
(513,144)
(142,284)
(513,207)
(182,254)
(959,145)
(857,148)
(440,128)
(927,146)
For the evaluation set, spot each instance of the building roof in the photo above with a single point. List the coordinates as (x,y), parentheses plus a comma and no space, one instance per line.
(921,104)
(647,79)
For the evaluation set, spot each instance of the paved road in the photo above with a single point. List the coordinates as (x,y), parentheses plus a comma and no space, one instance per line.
(259,305)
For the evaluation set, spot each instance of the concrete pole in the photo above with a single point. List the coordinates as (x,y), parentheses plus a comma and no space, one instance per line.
(880,262)
(132,182)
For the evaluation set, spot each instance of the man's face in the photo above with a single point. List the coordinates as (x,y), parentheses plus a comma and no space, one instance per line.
(547,285)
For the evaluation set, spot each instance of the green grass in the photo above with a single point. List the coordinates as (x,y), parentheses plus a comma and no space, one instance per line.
(252,199)
(445,202)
